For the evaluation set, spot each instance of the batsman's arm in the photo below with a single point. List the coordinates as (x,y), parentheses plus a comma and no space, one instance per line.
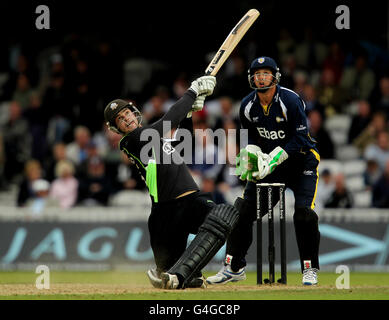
(176,113)
(201,86)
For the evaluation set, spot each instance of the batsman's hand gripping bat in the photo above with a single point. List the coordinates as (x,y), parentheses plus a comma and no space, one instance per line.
(231,42)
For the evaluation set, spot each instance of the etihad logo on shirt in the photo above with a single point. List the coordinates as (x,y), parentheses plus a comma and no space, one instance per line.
(271,135)
(301,128)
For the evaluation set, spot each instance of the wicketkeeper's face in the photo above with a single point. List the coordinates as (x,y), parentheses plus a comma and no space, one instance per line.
(263,78)
(126,121)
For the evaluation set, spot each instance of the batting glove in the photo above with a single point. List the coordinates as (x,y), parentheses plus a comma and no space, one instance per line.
(268,163)
(203,85)
(198,105)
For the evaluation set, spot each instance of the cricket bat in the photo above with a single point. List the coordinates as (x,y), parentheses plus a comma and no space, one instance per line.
(231,42)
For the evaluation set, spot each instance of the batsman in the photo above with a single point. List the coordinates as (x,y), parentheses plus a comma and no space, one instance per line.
(178,207)
(279,150)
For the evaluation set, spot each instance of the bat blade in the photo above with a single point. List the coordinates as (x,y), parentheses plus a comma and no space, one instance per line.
(231,41)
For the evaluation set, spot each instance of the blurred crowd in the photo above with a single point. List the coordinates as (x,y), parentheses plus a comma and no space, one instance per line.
(55,147)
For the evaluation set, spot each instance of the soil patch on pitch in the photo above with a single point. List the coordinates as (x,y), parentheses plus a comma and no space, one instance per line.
(74,288)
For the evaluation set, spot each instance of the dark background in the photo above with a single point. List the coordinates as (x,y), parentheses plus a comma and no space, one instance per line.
(181,33)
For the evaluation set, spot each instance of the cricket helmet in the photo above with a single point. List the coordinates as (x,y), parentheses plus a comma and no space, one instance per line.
(112,110)
(264,63)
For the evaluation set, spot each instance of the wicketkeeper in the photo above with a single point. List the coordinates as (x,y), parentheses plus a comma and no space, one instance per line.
(178,207)
(280,150)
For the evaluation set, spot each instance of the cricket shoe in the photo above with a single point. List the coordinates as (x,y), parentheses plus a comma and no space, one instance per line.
(156,281)
(169,281)
(310,277)
(227,275)
(155,278)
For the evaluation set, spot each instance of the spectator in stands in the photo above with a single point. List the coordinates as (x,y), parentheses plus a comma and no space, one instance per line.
(91,152)
(358,79)
(64,189)
(22,91)
(127,177)
(335,60)
(205,152)
(106,143)
(341,196)
(285,44)
(156,110)
(329,94)
(310,52)
(95,188)
(311,102)
(226,113)
(325,187)
(163,95)
(289,66)
(56,104)
(382,103)
(320,134)
(208,185)
(381,189)
(234,78)
(108,66)
(19,64)
(17,142)
(37,123)
(32,172)
(227,181)
(84,97)
(40,199)
(370,133)
(371,174)
(300,79)
(359,121)
(76,151)
(58,154)
(3,184)
(379,151)
(180,85)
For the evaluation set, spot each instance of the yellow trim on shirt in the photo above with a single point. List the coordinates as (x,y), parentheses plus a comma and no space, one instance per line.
(317,156)
(266,108)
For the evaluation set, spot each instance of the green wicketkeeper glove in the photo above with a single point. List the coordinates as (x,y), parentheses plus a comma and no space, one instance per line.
(247,162)
(267,164)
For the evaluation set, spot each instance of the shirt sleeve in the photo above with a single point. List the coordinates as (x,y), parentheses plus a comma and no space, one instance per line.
(298,128)
(176,114)
(251,132)
(171,119)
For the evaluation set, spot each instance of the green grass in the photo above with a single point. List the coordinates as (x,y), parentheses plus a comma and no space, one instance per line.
(135,286)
